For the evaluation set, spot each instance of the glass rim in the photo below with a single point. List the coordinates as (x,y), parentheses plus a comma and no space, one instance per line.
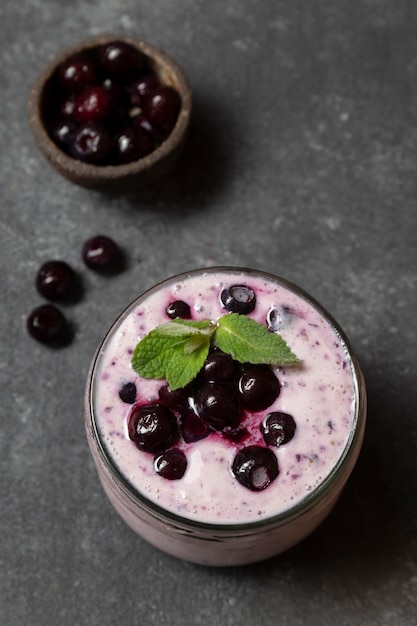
(311,498)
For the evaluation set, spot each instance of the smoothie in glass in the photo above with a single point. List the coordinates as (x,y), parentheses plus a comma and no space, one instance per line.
(236,486)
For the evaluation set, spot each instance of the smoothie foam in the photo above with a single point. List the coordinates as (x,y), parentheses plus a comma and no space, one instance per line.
(321,394)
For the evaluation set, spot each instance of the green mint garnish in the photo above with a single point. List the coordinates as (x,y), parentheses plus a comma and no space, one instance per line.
(248,341)
(176,351)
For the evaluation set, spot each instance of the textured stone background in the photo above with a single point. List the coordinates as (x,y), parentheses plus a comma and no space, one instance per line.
(301,161)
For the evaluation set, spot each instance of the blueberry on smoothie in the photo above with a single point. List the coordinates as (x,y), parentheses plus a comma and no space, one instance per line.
(255,467)
(171,464)
(278,428)
(238,299)
(178,309)
(259,387)
(127,393)
(153,427)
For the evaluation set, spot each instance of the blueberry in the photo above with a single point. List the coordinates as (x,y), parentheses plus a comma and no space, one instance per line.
(255,467)
(133,143)
(278,428)
(101,253)
(178,309)
(77,72)
(140,87)
(219,367)
(218,405)
(258,386)
(152,427)
(177,399)
(47,324)
(238,299)
(279,318)
(127,393)
(54,279)
(91,143)
(118,59)
(93,104)
(171,464)
(161,107)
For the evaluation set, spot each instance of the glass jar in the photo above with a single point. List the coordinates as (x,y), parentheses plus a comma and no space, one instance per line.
(247,538)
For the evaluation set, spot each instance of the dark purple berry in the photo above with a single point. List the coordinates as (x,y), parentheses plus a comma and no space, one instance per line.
(91,143)
(278,428)
(238,299)
(140,121)
(62,132)
(218,405)
(93,104)
(171,464)
(178,309)
(255,467)
(127,393)
(161,107)
(141,87)
(54,279)
(175,399)
(220,367)
(100,253)
(118,59)
(153,427)
(76,73)
(279,318)
(67,106)
(192,427)
(259,387)
(133,144)
(47,324)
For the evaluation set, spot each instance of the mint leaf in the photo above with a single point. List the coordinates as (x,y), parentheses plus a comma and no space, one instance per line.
(248,341)
(178,327)
(176,351)
(173,351)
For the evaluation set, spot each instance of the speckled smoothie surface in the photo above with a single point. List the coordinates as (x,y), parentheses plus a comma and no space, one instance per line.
(319,394)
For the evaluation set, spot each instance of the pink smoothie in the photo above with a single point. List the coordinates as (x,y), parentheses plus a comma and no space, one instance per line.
(322,394)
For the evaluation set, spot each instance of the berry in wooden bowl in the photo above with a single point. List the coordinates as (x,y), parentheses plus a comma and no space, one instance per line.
(111,113)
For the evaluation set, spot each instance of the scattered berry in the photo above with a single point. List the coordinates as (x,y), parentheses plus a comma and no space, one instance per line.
(47,324)
(54,279)
(238,299)
(278,428)
(255,467)
(178,309)
(127,393)
(153,427)
(171,464)
(100,253)
(259,387)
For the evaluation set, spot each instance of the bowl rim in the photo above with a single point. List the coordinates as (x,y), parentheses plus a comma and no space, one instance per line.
(66,163)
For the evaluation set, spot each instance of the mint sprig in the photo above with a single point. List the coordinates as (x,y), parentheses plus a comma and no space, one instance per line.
(177,350)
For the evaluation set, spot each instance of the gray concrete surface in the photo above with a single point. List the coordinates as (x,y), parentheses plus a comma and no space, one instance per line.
(302,162)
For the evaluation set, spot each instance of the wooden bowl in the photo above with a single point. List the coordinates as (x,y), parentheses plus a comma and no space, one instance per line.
(113,178)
